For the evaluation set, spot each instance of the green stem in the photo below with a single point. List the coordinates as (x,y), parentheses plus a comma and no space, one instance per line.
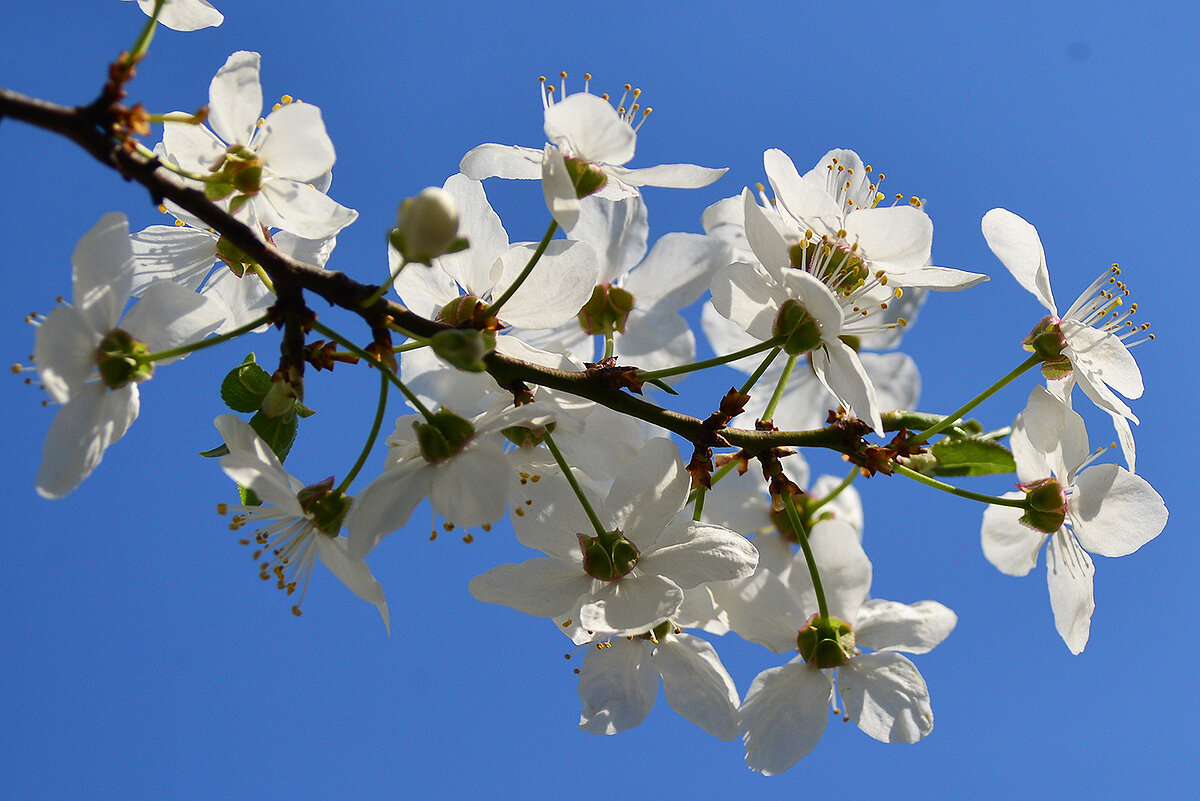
(170,166)
(610,344)
(494,309)
(698,512)
(386,285)
(258,270)
(713,362)
(361,353)
(955,416)
(757,374)
(769,412)
(798,526)
(207,343)
(1016,503)
(143,41)
(566,470)
(836,491)
(374,433)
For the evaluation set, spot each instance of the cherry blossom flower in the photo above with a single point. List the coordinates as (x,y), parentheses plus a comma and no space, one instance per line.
(787,708)
(270,166)
(589,144)
(91,360)
(299,523)
(184,15)
(633,577)
(618,683)
(1103,510)
(1090,335)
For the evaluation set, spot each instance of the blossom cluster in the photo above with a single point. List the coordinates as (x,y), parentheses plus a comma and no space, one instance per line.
(645,558)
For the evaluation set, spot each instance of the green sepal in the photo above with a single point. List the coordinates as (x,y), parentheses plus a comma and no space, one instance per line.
(587,178)
(802,330)
(442,436)
(121,359)
(464,348)
(608,556)
(248,496)
(826,642)
(327,506)
(217,190)
(606,311)
(970,456)
(245,386)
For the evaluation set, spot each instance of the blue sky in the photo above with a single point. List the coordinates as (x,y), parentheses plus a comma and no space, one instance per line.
(143,657)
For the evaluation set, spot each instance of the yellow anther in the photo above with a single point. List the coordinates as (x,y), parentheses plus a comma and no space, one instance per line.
(587,76)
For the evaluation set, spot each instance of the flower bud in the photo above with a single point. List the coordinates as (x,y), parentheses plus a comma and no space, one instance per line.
(826,642)
(802,330)
(427,225)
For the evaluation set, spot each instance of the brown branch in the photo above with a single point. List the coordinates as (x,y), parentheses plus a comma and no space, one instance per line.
(92,127)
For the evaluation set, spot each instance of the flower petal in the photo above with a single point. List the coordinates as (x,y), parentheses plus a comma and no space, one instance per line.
(1115,512)
(648,494)
(588,128)
(540,587)
(697,685)
(294,144)
(1017,244)
(1007,543)
(353,572)
(1069,574)
(501,161)
(886,696)
(915,628)
(691,554)
(671,176)
(82,430)
(784,716)
(617,685)
(235,99)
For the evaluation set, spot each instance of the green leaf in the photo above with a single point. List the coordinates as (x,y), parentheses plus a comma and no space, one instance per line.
(278,432)
(971,456)
(245,386)
(213,453)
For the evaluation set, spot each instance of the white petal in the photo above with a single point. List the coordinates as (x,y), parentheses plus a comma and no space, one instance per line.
(95,418)
(656,341)
(699,553)
(192,147)
(169,315)
(294,144)
(1017,244)
(65,352)
(558,190)
(554,292)
(648,494)
(676,272)
(1102,358)
(182,255)
(1069,573)
(1007,543)
(616,230)
(353,572)
(480,226)
(893,237)
(844,567)
(471,489)
(915,628)
(804,200)
(301,209)
(551,522)
(629,603)
(617,685)
(588,128)
(839,369)
(886,696)
(501,161)
(672,176)
(385,505)
(748,296)
(1115,512)
(540,587)
(102,271)
(184,15)
(235,99)
(765,240)
(784,716)
(697,685)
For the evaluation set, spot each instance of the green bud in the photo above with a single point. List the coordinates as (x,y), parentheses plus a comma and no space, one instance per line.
(462,311)
(122,359)
(588,178)
(327,506)
(464,348)
(242,169)
(606,311)
(826,642)
(443,436)
(426,225)
(609,556)
(802,330)
(281,398)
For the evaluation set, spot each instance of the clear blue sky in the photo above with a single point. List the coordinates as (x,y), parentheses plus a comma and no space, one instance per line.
(141,656)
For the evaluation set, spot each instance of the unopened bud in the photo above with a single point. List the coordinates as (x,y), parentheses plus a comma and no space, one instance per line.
(586,177)
(427,225)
